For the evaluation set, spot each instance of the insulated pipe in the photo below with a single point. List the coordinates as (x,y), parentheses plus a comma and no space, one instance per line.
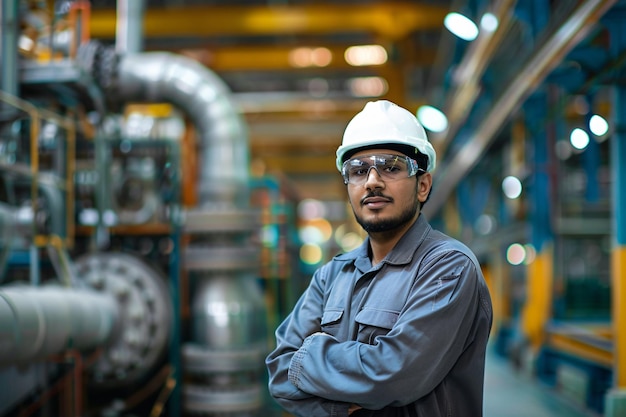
(36,322)
(129,26)
(223,158)
(227,307)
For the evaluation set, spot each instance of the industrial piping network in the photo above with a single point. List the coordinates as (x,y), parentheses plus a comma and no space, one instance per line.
(228,322)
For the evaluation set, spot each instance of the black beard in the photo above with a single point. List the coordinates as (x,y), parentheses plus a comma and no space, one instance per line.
(389,225)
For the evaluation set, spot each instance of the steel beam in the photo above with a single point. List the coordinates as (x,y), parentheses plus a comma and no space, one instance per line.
(469,73)
(544,60)
(392,20)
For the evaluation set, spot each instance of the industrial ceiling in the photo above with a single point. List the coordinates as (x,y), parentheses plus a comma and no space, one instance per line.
(297,113)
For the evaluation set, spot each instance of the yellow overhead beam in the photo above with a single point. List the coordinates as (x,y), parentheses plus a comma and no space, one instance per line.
(264,57)
(392,20)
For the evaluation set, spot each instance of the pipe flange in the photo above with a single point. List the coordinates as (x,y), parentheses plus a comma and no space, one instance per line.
(200,360)
(145,315)
(227,402)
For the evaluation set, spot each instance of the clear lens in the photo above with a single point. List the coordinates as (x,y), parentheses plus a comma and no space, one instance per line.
(389,167)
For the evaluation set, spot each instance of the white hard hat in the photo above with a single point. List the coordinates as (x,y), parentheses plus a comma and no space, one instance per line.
(385,123)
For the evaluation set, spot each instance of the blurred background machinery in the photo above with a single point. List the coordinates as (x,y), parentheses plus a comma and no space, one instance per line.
(167,186)
(97,243)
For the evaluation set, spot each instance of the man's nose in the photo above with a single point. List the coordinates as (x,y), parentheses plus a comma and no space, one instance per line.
(373,178)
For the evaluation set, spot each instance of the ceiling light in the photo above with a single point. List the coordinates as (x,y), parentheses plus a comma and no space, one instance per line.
(461,26)
(489,22)
(432,118)
(363,55)
(598,125)
(310,57)
(515,254)
(321,57)
(368,86)
(512,187)
(579,138)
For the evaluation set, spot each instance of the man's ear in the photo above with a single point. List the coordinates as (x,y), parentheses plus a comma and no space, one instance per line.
(424,183)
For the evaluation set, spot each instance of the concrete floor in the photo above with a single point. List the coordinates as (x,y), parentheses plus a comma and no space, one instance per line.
(509,393)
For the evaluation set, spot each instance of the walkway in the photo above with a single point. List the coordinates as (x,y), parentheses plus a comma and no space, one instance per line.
(511,394)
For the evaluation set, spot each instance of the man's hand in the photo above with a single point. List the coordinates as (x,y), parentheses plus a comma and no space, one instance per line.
(353,408)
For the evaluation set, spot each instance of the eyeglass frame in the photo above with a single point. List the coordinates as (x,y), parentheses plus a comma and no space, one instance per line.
(412,164)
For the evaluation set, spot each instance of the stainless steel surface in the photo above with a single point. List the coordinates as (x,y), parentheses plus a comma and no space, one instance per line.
(205,401)
(39,322)
(200,361)
(228,311)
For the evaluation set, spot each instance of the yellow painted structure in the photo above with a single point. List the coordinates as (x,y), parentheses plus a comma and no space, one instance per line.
(619,314)
(538,306)
(393,20)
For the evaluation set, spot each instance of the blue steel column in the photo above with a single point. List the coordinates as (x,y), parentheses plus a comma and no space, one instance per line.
(615,402)
(9,30)
(538,306)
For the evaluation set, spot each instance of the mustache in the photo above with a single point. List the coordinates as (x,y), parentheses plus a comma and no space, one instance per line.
(375,193)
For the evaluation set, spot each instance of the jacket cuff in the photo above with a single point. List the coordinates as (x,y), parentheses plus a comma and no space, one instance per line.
(295,366)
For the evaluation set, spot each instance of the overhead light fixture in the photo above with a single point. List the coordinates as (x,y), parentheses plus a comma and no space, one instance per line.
(598,125)
(432,118)
(516,254)
(579,139)
(368,86)
(461,26)
(364,55)
(310,57)
(489,22)
(512,187)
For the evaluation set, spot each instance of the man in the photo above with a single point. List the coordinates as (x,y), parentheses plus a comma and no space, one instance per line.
(398,326)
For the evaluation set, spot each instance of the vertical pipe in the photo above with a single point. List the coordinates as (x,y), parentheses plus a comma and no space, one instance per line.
(129,26)
(9,27)
(615,400)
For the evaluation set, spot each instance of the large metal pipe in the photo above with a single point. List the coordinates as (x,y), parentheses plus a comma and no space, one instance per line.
(223,158)
(36,322)
(228,308)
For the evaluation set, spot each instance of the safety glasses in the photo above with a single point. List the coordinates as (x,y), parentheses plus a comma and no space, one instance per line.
(389,168)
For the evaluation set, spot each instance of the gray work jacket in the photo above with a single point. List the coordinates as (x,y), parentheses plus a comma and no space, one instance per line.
(413,345)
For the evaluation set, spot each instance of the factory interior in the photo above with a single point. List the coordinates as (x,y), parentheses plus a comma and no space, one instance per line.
(168,188)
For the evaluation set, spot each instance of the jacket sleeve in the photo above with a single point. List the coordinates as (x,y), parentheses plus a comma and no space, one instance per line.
(430,334)
(303,321)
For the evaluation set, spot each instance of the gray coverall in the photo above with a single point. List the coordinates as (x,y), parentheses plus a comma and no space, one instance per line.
(406,337)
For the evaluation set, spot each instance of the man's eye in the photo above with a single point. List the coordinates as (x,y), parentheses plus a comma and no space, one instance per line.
(391,168)
(359,172)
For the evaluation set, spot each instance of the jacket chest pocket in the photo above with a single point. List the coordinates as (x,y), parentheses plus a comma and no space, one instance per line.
(373,323)
(331,320)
